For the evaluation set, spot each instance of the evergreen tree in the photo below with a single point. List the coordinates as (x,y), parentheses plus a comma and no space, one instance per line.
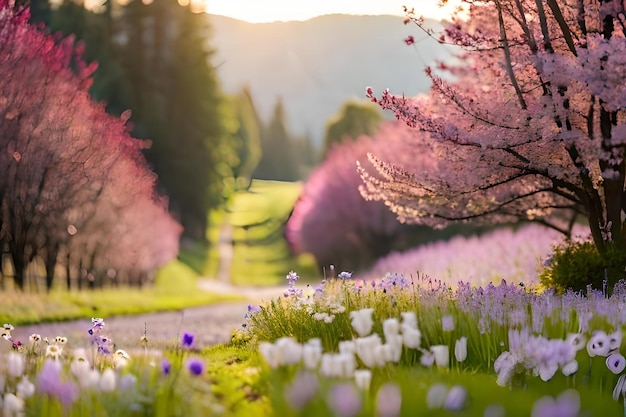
(354,119)
(278,161)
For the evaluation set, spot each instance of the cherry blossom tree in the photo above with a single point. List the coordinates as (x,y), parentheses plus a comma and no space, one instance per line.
(332,221)
(530,125)
(72,180)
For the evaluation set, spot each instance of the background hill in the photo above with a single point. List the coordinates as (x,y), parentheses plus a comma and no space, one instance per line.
(318,64)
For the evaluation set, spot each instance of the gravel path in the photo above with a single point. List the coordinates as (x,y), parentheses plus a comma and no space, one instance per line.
(211,324)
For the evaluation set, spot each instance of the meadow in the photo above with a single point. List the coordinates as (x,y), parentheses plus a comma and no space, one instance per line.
(347,344)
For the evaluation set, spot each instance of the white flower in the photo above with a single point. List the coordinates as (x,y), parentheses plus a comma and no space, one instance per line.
(25,388)
(54,351)
(366,349)
(346,363)
(34,338)
(13,405)
(615,339)
(577,340)
(312,354)
(290,350)
(391,327)
(362,322)
(107,381)
(427,358)
(436,396)
(599,344)
(363,378)
(347,346)
(620,387)
(15,363)
(329,318)
(570,368)
(456,398)
(409,319)
(411,337)
(442,355)
(393,348)
(460,349)
(271,354)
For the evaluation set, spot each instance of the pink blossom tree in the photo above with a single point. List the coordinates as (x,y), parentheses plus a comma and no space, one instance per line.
(332,221)
(70,175)
(530,125)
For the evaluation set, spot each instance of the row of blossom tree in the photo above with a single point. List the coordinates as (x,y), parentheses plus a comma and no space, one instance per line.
(75,190)
(530,126)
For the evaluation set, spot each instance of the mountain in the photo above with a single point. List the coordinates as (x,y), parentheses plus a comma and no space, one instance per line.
(318,64)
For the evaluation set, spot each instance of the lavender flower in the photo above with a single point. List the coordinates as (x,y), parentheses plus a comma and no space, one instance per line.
(344,275)
(166,366)
(302,390)
(616,363)
(566,405)
(344,400)
(388,400)
(49,382)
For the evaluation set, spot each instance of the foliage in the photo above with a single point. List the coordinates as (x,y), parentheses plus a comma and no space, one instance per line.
(578,264)
(354,119)
(332,221)
(76,192)
(530,127)
(278,161)
(154,59)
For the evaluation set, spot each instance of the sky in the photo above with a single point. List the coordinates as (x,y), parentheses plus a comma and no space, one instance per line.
(257,11)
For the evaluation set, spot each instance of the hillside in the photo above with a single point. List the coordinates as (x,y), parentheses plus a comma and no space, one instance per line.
(318,64)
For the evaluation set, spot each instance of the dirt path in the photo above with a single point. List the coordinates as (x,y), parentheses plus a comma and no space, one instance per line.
(211,324)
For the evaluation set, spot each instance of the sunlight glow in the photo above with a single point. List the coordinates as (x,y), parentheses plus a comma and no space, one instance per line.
(257,11)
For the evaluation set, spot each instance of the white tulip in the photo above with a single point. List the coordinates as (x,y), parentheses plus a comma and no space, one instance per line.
(362,322)
(442,355)
(460,349)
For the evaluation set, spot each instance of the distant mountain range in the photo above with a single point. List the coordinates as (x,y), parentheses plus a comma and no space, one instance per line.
(318,64)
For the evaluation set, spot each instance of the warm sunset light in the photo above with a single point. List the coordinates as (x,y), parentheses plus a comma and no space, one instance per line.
(256,11)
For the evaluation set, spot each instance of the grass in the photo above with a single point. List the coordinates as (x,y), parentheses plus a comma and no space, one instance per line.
(175,288)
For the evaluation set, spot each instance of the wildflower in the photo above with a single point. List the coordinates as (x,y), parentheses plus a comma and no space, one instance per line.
(107,380)
(620,387)
(344,400)
(302,390)
(34,338)
(411,337)
(25,389)
(366,349)
(166,366)
(271,354)
(54,351)
(388,400)
(599,344)
(391,327)
(329,318)
(128,382)
(195,366)
(6,331)
(15,364)
(60,340)
(311,354)
(363,379)
(187,340)
(289,350)
(616,363)
(567,404)
(344,275)
(577,341)
(347,346)
(253,309)
(13,405)
(447,323)
(460,349)
(410,40)
(456,398)
(292,277)
(49,382)
(570,368)
(121,358)
(427,358)
(362,322)
(97,323)
(436,396)
(615,340)
(409,319)
(393,348)
(442,355)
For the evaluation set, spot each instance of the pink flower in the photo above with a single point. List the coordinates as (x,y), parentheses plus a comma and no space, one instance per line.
(410,40)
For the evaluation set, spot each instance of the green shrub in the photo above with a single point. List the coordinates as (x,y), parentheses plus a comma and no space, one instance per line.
(578,264)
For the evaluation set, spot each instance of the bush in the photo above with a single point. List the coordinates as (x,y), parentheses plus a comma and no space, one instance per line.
(578,264)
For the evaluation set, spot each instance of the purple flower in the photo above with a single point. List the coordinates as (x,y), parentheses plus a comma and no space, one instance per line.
(566,405)
(253,308)
(302,390)
(195,366)
(49,382)
(344,275)
(616,363)
(166,366)
(187,340)
(345,400)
